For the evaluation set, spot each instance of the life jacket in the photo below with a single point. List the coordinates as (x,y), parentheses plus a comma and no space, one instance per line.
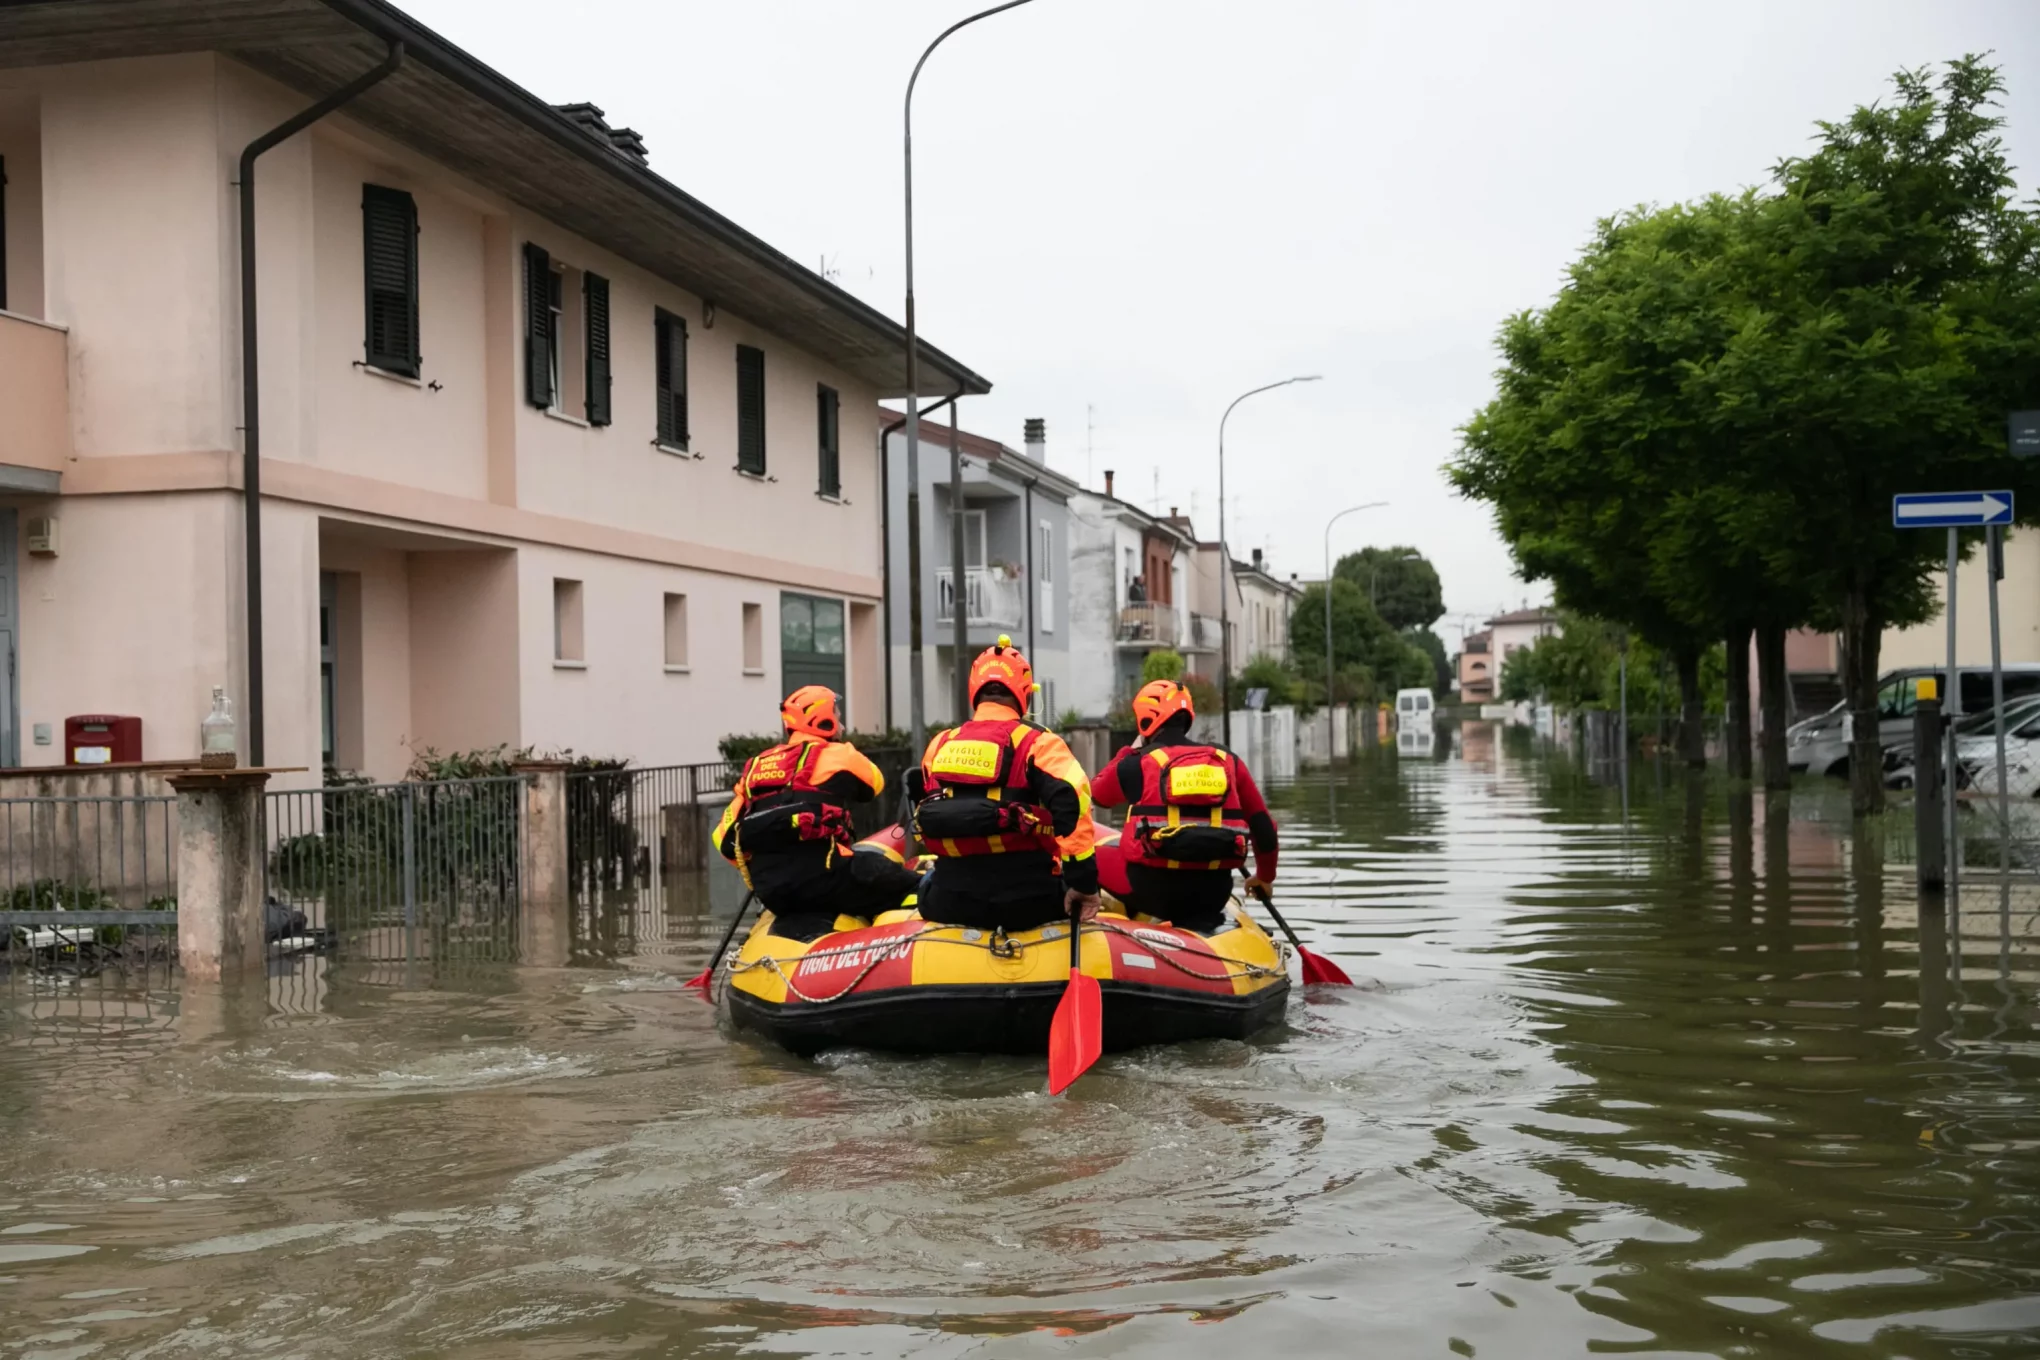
(976,799)
(1188,814)
(785,808)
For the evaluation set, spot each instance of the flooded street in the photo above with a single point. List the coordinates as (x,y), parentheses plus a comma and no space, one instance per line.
(1706,1084)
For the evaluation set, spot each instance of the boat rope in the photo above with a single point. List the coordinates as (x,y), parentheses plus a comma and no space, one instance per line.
(894,946)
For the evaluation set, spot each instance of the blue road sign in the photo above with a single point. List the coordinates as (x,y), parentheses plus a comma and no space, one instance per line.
(1951,509)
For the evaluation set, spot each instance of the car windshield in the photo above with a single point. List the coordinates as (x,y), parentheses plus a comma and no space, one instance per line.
(2016,712)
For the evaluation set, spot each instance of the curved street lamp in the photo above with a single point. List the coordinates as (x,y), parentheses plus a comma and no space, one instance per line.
(1225,582)
(916,718)
(1351,509)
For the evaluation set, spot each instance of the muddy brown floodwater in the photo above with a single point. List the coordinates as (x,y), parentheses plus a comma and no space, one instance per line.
(1704,1083)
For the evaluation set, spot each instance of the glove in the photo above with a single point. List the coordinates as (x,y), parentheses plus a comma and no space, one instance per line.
(1260,889)
(1082,906)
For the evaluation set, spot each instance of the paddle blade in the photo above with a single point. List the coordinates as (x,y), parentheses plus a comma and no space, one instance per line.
(701,980)
(1319,969)
(1077,1034)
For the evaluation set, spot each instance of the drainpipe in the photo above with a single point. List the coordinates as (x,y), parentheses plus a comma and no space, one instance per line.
(959,612)
(913,556)
(251,387)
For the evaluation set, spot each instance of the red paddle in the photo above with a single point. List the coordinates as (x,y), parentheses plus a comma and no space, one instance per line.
(1316,967)
(1076,1035)
(702,980)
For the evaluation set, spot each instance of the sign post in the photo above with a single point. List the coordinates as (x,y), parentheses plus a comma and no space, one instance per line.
(1955,511)
(1996,541)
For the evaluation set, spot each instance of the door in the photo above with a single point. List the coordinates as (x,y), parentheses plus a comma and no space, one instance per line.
(10,634)
(811,645)
(329,594)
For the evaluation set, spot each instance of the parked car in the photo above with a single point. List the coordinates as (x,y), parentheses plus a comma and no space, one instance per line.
(1976,753)
(1898,756)
(1820,745)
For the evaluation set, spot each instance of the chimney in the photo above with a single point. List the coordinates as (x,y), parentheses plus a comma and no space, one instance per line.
(1173,514)
(1257,559)
(1037,439)
(1108,483)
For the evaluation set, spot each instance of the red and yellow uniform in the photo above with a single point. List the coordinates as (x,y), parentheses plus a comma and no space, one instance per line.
(1004,807)
(787,829)
(1194,814)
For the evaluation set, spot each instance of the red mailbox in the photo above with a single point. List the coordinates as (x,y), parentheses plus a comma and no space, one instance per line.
(102,739)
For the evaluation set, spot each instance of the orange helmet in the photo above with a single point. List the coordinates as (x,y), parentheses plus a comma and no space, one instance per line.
(1157,702)
(1002,664)
(811,709)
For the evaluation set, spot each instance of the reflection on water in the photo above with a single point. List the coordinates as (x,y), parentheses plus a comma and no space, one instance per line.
(1705,1083)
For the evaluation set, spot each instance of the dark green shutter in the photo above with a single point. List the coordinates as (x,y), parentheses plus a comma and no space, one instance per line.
(826,410)
(389,246)
(596,289)
(537,326)
(670,335)
(3,233)
(751,409)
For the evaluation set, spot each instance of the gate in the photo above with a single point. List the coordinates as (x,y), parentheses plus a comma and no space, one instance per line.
(410,872)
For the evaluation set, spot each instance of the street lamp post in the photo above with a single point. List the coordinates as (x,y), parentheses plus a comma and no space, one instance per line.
(915,703)
(1225,559)
(1351,509)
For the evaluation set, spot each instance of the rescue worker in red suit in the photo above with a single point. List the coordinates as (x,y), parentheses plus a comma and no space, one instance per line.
(1005,809)
(788,828)
(1193,813)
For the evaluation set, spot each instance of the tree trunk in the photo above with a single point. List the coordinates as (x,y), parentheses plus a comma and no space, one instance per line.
(1774,696)
(1692,737)
(1735,740)
(1861,641)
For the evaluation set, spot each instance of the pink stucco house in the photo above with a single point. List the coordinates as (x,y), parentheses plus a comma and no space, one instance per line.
(549,451)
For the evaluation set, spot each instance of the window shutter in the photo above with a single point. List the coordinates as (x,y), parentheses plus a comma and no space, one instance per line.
(389,243)
(670,379)
(826,425)
(751,409)
(3,233)
(537,326)
(596,289)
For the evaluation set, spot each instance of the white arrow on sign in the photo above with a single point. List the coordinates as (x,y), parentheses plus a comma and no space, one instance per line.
(1979,508)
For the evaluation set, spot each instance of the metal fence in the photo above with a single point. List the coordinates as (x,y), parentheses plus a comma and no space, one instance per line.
(424,871)
(88,889)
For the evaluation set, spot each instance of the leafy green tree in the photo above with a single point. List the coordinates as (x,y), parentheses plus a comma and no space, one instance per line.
(1433,646)
(1400,583)
(1371,659)
(1163,664)
(1266,672)
(1887,332)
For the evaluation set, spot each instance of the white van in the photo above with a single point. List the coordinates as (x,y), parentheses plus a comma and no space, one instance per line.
(1413,708)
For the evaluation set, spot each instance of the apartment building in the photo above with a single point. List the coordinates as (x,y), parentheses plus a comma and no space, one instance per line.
(550,452)
(1130,575)
(1016,561)
(1266,604)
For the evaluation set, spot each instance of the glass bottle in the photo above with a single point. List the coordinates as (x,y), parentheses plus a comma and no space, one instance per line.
(218,743)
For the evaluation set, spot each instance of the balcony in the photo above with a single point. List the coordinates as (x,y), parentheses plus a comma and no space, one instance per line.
(1149,625)
(990,597)
(35,403)
(1204,635)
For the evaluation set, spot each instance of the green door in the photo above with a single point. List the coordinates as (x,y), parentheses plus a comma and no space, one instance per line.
(811,644)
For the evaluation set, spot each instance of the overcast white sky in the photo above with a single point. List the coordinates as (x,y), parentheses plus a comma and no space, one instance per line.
(1130,211)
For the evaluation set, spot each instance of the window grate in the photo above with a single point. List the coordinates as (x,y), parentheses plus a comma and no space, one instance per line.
(750,410)
(389,237)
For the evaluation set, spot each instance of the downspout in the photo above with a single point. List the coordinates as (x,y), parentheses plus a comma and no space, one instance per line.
(885,533)
(1027,570)
(251,386)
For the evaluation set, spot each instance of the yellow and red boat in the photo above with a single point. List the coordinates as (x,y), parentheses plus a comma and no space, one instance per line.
(909,985)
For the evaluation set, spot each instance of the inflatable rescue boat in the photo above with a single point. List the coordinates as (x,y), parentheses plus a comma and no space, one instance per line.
(909,985)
